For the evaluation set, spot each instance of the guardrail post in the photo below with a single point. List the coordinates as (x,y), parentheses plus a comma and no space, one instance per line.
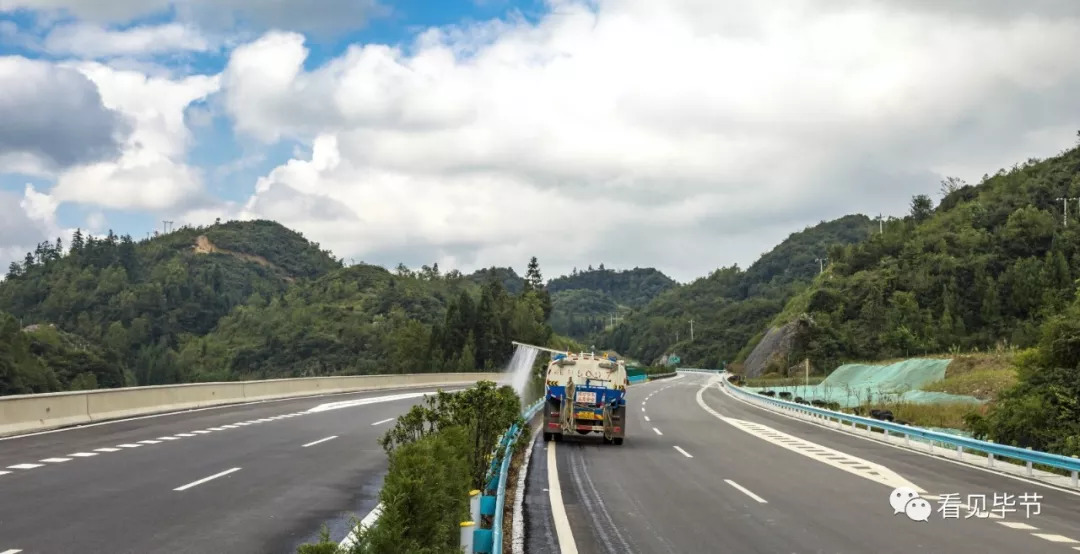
(1029,472)
(907,441)
(989,457)
(932,446)
(1075,484)
(467,530)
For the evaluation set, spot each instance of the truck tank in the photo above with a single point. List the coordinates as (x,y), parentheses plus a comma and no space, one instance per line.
(585,393)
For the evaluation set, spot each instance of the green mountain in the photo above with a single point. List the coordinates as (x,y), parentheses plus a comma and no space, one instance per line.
(246,300)
(364,319)
(583,303)
(985,267)
(730,306)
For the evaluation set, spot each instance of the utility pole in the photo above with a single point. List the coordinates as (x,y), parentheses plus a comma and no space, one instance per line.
(691,330)
(165,226)
(1065,211)
(821,264)
(880,223)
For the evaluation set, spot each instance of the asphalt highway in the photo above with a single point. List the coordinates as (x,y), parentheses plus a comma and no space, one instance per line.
(701,471)
(259,478)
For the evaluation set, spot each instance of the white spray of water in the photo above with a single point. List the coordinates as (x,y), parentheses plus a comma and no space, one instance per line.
(521,367)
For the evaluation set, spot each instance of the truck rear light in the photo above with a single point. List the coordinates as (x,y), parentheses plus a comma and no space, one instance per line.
(618,429)
(553,425)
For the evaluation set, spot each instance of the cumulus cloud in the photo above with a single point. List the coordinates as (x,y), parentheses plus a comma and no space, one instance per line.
(682,134)
(94,41)
(24,222)
(53,117)
(150,173)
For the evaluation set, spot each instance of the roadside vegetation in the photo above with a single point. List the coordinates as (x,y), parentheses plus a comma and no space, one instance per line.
(438,452)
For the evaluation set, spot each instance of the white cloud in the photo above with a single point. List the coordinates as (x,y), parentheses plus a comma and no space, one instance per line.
(88,40)
(150,173)
(683,134)
(324,15)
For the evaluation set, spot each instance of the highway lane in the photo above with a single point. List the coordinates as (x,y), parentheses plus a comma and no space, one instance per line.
(56,498)
(725,489)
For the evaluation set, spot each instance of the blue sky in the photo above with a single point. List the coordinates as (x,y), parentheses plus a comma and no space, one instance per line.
(719,127)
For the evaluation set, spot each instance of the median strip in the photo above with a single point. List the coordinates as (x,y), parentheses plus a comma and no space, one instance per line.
(319,441)
(205,479)
(745,491)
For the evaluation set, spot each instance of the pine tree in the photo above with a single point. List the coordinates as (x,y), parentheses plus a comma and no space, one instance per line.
(14,270)
(77,242)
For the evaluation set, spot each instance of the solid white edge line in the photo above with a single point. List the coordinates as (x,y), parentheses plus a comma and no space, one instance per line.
(558,510)
(745,491)
(381,421)
(368,521)
(330,438)
(205,479)
(901,447)
(657,431)
(683,452)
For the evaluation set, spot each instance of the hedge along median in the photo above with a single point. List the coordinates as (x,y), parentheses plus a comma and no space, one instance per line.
(438,452)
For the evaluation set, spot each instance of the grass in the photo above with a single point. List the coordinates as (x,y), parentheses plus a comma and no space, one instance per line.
(947,415)
(983,376)
(783,381)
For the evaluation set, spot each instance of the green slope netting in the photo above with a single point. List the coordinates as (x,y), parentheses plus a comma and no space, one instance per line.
(855,384)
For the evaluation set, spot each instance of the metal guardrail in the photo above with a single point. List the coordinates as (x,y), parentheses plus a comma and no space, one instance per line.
(991,449)
(493,502)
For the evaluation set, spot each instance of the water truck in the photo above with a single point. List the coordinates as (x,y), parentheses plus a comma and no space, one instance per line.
(584,393)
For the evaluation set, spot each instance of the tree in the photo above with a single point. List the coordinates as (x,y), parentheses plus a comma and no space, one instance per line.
(77,242)
(950,185)
(921,207)
(14,270)
(533,280)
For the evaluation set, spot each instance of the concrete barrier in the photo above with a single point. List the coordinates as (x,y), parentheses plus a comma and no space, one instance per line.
(41,412)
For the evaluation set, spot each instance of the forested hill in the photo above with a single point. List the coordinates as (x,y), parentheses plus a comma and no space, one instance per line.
(135,301)
(986,266)
(584,302)
(246,300)
(730,306)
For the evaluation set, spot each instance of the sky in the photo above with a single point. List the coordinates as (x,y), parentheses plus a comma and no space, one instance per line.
(684,135)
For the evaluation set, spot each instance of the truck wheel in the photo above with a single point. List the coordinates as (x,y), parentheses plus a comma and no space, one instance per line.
(547,437)
(618,441)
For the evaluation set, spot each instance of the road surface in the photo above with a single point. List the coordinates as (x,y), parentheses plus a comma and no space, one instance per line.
(722,476)
(259,478)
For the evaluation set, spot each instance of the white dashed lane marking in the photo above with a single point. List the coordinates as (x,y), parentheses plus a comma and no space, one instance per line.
(11,551)
(24,466)
(745,491)
(56,460)
(4,472)
(168,438)
(149,442)
(128,445)
(184,435)
(683,452)
(201,432)
(381,421)
(1018,525)
(319,441)
(205,479)
(657,431)
(106,450)
(83,454)
(1055,538)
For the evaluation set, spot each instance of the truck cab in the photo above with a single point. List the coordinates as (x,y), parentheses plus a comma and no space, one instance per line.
(585,393)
